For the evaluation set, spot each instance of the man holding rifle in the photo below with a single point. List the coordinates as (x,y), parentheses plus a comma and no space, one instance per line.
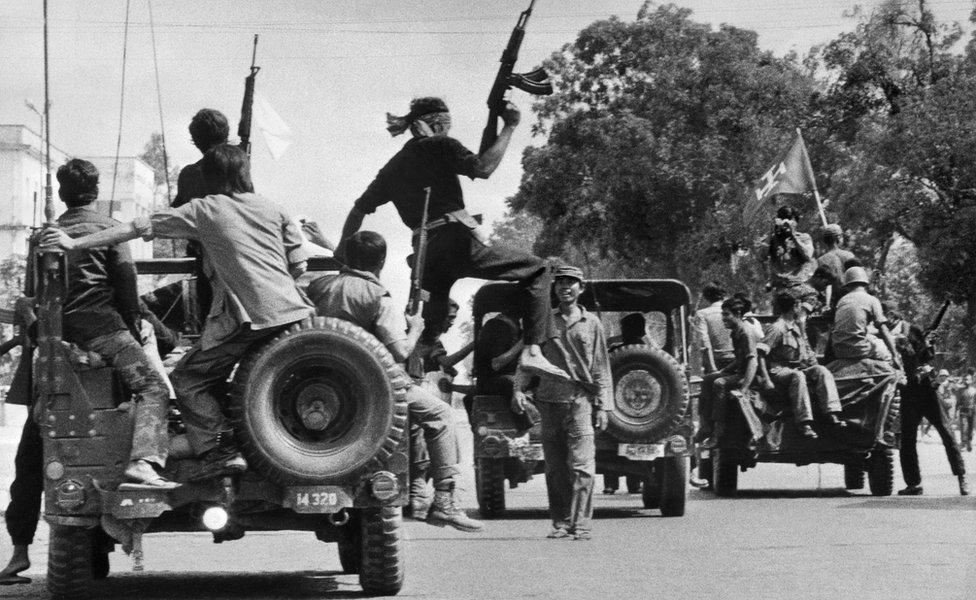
(456,248)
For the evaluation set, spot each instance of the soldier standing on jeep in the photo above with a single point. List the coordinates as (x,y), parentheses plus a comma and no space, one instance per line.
(568,409)
(356,295)
(253,253)
(457,248)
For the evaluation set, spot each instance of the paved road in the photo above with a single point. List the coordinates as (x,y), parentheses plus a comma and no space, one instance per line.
(794,533)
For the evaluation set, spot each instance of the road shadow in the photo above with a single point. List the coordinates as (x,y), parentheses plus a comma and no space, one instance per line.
(599,512)
(767,493)
(226,585)
(917,503)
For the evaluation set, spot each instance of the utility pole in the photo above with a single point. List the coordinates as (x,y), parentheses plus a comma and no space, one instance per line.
(40,115)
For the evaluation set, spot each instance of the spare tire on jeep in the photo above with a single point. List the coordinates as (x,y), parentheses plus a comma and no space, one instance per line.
(319,403)
(649,393)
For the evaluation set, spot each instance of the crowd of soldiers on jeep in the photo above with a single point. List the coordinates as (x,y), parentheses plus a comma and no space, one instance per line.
(268,389)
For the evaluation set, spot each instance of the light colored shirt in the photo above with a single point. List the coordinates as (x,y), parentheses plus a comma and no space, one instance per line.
(360,298)
(788,346)
(856,311)
(578,347)
(712,331)
(249,243)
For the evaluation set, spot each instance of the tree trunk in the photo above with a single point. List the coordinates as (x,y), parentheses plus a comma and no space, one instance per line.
(970,325)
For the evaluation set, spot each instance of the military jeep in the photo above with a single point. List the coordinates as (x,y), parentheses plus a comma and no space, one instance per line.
(761,429)
(650,422)
(319,412)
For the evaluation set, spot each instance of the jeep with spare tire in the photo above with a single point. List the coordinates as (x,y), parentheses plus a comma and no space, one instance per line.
(319,411)
(650,424)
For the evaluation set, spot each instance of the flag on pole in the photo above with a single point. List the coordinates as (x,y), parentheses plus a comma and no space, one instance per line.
(276,133)
(791,174)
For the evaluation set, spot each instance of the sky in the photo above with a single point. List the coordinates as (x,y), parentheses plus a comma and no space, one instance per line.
(331,70)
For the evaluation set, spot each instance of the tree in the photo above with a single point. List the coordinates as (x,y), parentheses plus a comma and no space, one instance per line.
(12,273)
(655,134)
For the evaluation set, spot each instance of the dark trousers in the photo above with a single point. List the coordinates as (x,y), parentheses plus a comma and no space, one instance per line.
(199,380)
(453,253)
(920,401)
(24,509)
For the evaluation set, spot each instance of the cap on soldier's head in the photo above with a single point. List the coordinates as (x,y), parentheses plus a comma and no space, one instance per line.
(569,271)
(426,105)
(855,275)
(833,229)
(943,372)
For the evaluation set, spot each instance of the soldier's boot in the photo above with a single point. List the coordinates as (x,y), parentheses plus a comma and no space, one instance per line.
(806,431)
(223,459)
(836,423)
(534,362)
(445,511)
(963,485)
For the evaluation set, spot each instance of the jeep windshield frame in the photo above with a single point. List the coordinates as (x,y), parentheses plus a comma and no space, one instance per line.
(669,297)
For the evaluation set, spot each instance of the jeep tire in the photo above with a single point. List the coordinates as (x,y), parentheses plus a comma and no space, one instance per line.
(665,389)
(854,475)
(881,472)
(382,564)
(357,390)
(674,485)
(489,478)
(725,472)
(69,562)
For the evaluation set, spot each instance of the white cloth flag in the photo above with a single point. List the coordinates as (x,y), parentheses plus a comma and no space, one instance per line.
(276,133)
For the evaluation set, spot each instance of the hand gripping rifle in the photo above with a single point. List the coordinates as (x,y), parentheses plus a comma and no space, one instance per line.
(244,126)
(418,295)
(535,82)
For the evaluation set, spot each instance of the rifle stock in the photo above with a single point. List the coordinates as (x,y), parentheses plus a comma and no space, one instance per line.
(418,295)
(244,126)
(535,82)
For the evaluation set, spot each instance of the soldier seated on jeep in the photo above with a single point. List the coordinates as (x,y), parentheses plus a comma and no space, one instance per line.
(254,250)
(101,315)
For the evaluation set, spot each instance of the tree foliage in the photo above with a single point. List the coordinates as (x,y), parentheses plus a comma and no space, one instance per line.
(660,125)
(655,134)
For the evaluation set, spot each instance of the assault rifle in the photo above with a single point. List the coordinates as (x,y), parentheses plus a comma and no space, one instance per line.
(418,295)
(535,82)
(938,319)
(244,126)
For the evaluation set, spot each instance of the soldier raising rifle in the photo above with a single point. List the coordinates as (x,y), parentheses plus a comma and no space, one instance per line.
(456,248)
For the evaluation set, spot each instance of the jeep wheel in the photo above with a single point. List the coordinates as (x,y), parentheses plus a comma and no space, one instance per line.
(854,476)
(322,401)
(490,487)
(881,472)
(651,492)
(650,393)
(350,544)
(382,566)
(674,486)
(725,472)
(633,484)
(69,563)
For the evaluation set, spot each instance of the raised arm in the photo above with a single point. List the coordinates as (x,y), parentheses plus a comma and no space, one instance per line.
(353,222)
(489,160)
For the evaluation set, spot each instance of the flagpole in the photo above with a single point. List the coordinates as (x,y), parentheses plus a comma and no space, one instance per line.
(813,180)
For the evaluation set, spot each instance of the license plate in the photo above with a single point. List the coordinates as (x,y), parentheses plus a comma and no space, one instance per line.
(530,452)
(317,499)
(640,451)
(704,453)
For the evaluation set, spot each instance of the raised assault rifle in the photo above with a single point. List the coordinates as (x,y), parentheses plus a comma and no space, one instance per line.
(418,295)
(535,82)
(244,126)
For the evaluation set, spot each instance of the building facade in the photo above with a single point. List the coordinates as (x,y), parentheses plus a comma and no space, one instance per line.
(22,170)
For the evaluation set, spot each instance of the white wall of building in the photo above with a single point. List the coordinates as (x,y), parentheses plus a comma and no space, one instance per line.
(22,177)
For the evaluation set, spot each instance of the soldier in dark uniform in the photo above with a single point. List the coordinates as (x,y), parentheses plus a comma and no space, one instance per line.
(432,159)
